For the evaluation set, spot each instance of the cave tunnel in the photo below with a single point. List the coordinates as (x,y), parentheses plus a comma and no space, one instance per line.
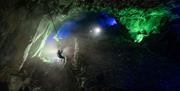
(89,45)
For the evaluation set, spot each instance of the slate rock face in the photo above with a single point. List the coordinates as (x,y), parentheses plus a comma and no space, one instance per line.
(100,65)
(16,29)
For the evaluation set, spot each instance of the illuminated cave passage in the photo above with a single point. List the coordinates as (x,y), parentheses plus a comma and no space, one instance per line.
(89,45)
(47,41)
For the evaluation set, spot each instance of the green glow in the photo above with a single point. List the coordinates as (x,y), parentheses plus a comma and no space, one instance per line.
(139,22)
(139,38)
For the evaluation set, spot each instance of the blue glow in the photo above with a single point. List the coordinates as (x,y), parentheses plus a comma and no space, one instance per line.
(104,20)
(111,21)
(65,30)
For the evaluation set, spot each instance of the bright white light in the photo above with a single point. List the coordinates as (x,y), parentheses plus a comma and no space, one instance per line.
(97,30)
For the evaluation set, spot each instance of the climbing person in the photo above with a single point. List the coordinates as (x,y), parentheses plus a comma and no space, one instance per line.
(60,55)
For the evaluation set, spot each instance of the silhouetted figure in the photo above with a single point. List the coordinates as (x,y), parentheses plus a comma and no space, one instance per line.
(60,55)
